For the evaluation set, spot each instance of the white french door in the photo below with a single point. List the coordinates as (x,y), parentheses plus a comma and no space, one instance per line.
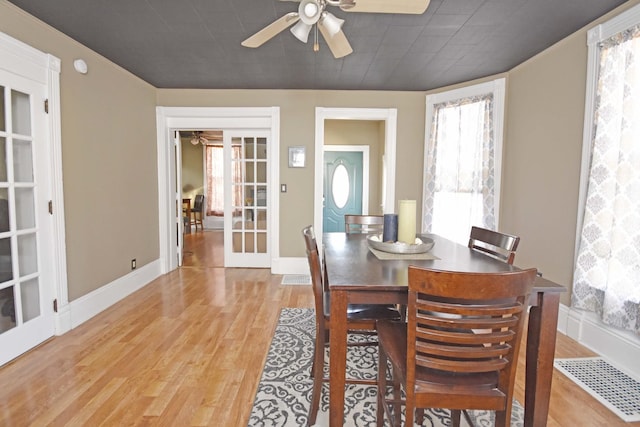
(246,199)
(26,259)
(178,213)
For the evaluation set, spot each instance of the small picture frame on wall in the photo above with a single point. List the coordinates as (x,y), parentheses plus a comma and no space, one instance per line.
(296,157)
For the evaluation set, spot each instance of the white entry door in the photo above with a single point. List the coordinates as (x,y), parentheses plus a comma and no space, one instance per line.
(26,270)
(246,199)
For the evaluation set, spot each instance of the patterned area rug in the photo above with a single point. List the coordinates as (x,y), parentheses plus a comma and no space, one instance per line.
(284,392)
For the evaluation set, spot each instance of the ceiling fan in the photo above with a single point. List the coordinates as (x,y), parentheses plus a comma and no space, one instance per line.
(205,137)
(312,14)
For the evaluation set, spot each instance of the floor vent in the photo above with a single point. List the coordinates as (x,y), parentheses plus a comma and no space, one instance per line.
(615,389)
(296,279)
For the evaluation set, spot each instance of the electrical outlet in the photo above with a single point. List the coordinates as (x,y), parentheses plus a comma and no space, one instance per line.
(133,264)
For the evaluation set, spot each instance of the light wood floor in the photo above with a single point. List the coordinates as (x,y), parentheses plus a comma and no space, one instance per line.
(188,349)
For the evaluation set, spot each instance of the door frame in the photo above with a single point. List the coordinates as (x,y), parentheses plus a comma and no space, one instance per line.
(170,119)
(44,68)
(387,115)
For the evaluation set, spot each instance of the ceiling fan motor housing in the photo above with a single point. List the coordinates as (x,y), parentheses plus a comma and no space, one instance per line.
(310,11)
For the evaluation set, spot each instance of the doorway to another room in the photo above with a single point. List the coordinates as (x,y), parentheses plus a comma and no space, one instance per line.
(249,217)
(381,124)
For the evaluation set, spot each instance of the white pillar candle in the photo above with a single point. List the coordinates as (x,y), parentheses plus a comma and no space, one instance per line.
(407,221)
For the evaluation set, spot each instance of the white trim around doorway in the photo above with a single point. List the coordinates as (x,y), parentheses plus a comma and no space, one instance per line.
(170,119)
(390,117)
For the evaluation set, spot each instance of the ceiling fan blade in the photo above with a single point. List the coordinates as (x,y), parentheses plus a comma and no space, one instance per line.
(338,44)
(385,6)
(271,30)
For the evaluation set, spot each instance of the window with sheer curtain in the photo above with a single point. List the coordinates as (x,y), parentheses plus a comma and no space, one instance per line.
(215,180)
(607,272)
(462,174)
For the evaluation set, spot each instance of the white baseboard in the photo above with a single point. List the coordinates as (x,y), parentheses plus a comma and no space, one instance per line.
(84,308)
(290,266)
(621,348)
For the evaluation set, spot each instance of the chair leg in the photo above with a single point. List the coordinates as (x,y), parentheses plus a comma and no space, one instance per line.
(455,418)
(409,410)
(397,397)
(317,374)
(382,386)
(501,419)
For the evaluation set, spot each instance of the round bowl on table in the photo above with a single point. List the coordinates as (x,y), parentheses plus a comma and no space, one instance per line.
(375,242)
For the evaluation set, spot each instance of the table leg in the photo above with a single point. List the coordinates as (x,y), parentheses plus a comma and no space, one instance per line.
(338,357)
(541,345)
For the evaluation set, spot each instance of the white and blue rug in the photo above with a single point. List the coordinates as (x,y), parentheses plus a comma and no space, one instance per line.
(284,392)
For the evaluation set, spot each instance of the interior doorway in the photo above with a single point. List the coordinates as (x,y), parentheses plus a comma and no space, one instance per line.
(388,117)
(202,173)
(173,119)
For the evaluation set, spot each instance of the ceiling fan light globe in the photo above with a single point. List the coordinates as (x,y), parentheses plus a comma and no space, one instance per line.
(301,31)
(309,11)
(331,23)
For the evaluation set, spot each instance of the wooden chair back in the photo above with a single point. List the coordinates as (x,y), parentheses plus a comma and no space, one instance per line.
(465,341)
(493,243)
(363,224)
(316,271)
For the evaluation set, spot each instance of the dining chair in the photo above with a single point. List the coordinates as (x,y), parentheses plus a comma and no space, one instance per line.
(363,223)
(197,211)
(493,243)
(186,215)
(360,317)
(464,362)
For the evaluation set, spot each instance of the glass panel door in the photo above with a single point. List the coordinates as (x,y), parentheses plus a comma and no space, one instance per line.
(246,202)
(26,306)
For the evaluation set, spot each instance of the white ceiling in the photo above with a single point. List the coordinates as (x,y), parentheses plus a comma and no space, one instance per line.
(196,43)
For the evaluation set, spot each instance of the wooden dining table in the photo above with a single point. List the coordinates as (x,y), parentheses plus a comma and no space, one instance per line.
(356,275)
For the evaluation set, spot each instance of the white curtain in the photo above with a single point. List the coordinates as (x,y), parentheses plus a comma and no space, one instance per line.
(459,177)
(607,274)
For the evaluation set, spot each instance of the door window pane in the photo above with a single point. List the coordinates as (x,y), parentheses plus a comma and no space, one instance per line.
(340,186)
(22,161)
(3,159)
(3,111)
(6,267)
(4,210)
(25,209)
(261,149)
(250,148)
(262,172)
(21,113)
(30,293)
(27,256)
(7,309)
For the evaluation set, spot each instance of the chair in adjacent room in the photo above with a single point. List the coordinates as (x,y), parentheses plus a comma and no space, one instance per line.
(360,317)
(493,243)
(197,212)
(464,362)
(363,224)
(186,215)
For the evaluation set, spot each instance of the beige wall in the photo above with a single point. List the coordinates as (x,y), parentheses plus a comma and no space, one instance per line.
(192,169)
(362,132)
(108,156)
(297,122)
(543,149)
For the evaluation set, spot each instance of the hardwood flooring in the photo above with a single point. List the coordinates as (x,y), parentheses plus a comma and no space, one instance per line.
(188,350)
